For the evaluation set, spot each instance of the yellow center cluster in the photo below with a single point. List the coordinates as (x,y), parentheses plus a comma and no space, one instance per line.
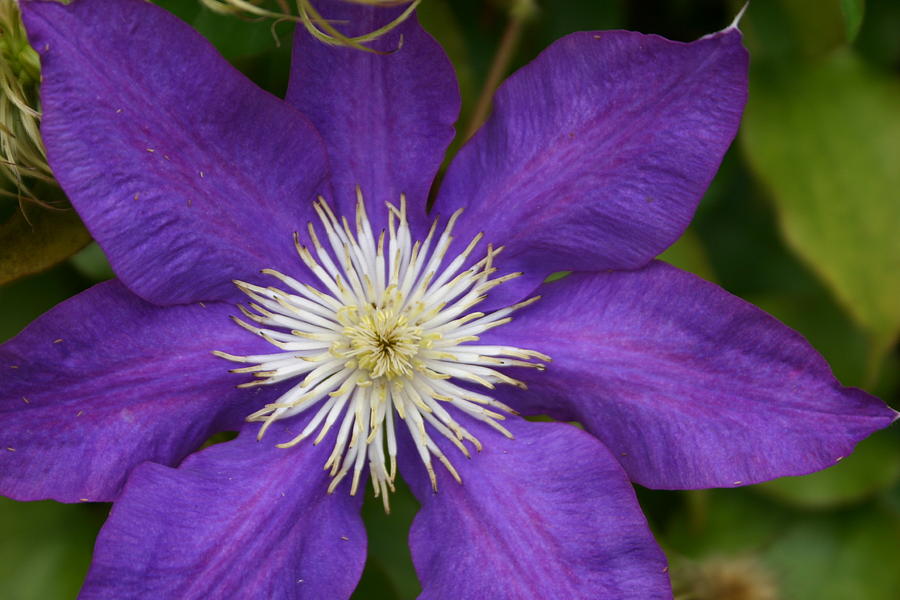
(381,341)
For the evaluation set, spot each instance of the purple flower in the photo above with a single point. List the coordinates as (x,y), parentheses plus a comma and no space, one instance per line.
(381,338)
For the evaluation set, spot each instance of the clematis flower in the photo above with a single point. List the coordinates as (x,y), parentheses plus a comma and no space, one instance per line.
(373,337)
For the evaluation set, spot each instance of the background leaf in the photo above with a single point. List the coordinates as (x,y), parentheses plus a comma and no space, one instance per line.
(825,138)
(853,16)
(852,556)
(389,571)
(36,238)
(91,262)
(42,548)
(689,254)
(830,555)
(873,466)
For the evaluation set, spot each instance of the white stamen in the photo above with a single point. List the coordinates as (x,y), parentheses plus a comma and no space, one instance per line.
(389,333)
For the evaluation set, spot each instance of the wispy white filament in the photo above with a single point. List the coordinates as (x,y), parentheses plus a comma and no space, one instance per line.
(389,330)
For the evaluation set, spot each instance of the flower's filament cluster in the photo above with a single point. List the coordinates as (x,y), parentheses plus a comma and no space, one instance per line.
(390,331)
(382,341)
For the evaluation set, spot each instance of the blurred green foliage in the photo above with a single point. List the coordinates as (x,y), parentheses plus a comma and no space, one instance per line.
(824,136)
(802,220)
(35,237)
(46,548)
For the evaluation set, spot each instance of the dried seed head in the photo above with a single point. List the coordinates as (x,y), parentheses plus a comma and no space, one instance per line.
(725,578)
(22,155)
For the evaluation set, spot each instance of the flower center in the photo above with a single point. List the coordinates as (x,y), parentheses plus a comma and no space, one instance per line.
(388,331)
(381,340)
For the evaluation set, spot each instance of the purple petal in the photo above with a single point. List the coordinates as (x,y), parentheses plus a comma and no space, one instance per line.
(547,515)
(184,171)
(105,381)
(598,151)
(242,519)
(689,386)
(386,118)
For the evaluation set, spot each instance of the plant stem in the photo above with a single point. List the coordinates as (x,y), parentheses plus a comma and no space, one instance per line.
(519,13)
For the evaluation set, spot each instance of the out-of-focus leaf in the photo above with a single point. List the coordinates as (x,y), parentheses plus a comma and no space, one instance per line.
(878,40)
(558,19)
(374,584)
(689,254)
(92,263)
(873,466)
(43,239)
(827,556)
(238,37)
(853,11)
(724,521)
(793,28)
(840,556)
(831,331)
(234,36)
(438,18)
(250,44)
(45,548)
(818,25)
(26,299)
(389,557)
(736,225)
(186,11)
(826,141)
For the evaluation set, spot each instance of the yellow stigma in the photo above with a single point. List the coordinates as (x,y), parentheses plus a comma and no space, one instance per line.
(381,341)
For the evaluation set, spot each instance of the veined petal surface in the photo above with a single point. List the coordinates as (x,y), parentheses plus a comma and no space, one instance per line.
(387,118)
(687,385)
(185,172)
(241,519)
(598,151)
(105,381)
(549,514)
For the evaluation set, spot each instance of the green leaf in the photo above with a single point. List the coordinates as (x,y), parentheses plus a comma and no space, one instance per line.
(186,11)
(817,25)
(37,239)
(784,28)
(853,11)
(374,584)
(831,555)
(825,139)
(689,254)
(874,466)
(821,321)
(91,262)
(841,556)
(389,571)
(723,522)
(237,37)
(438,19)
(26,299)
(45,548)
